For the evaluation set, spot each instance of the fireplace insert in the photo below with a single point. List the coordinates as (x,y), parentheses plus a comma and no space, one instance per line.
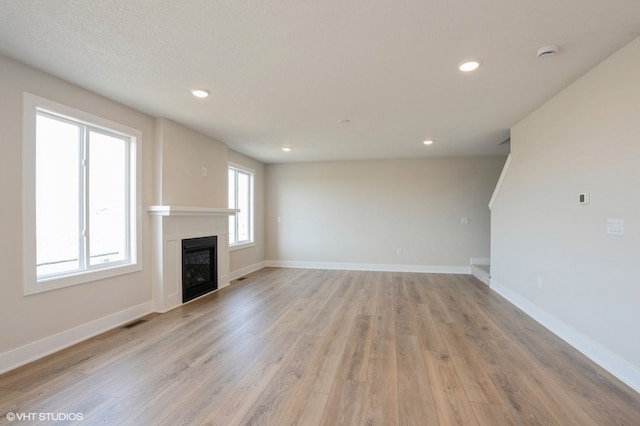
(199,267)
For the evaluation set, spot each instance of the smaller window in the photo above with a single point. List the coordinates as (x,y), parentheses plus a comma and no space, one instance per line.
(240,197)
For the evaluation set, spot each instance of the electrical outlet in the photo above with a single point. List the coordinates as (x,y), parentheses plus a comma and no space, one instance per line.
(464,220)
(204,171)
(399,251)
(539,282)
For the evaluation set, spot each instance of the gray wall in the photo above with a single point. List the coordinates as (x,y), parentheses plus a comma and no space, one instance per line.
(586,139)
(26,319)
(181,153)
(361,212)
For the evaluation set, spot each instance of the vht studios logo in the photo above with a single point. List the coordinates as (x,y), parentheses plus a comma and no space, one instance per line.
(52,417)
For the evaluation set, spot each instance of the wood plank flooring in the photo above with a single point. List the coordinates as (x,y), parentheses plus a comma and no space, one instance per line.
(310,347)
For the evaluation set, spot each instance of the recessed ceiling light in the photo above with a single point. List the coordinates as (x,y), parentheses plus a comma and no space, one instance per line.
(428,142)
(469,66)
(200,93)
(287,149)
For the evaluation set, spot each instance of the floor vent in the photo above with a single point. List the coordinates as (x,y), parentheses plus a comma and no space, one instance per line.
(133,324)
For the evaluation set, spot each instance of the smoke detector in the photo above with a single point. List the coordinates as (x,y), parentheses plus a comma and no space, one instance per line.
(548,51)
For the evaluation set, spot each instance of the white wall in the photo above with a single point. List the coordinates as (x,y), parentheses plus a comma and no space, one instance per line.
(361,212)
(586,139)
(27,320)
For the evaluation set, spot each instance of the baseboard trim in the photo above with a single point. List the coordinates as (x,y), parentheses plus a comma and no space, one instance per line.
(613,363)
(481,274)
(43,347)
(480,261)
(376,267)
(234,275)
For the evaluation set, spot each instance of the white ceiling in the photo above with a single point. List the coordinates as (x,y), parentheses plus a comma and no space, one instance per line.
(285,72)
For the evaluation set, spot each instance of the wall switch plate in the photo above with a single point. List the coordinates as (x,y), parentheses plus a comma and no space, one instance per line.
(464,220)
(584,198)
(615,226)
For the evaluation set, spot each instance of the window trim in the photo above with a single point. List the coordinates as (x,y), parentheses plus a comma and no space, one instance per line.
(251,242)
(31,284)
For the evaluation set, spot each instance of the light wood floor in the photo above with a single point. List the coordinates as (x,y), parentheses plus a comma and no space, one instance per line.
(307,347)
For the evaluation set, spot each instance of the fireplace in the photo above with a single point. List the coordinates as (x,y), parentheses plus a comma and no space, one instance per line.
(173,224)
(199,267)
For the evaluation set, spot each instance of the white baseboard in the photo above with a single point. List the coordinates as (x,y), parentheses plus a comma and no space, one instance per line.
(377,267)
(234,275)
(480,261)
(613,363)
(480,273)
(41,348)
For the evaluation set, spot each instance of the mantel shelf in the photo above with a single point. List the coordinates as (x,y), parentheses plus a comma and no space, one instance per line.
(189,211)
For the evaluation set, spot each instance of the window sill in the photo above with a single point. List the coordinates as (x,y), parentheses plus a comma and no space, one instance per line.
(241,246)
(34,286)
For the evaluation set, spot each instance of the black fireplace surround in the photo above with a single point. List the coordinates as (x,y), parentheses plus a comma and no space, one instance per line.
(199,267)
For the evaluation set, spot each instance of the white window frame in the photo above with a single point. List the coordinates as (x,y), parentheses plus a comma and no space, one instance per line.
(251,173)
(32,285)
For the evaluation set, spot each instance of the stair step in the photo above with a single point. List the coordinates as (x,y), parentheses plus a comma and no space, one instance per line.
(482,272)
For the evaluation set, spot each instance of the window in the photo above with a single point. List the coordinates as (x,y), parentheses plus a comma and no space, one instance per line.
(81,192)
(240,197)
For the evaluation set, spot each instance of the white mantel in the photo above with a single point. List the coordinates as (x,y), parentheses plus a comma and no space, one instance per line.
(171,225)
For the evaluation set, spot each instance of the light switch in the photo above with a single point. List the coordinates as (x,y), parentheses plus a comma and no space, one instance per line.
(583,198)
(615,226)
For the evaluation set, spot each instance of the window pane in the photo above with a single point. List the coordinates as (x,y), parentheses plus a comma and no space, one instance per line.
(243,205)
(232,189)
(107,198)
(231,180)
(232,229)
(240,193)
(57,201)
